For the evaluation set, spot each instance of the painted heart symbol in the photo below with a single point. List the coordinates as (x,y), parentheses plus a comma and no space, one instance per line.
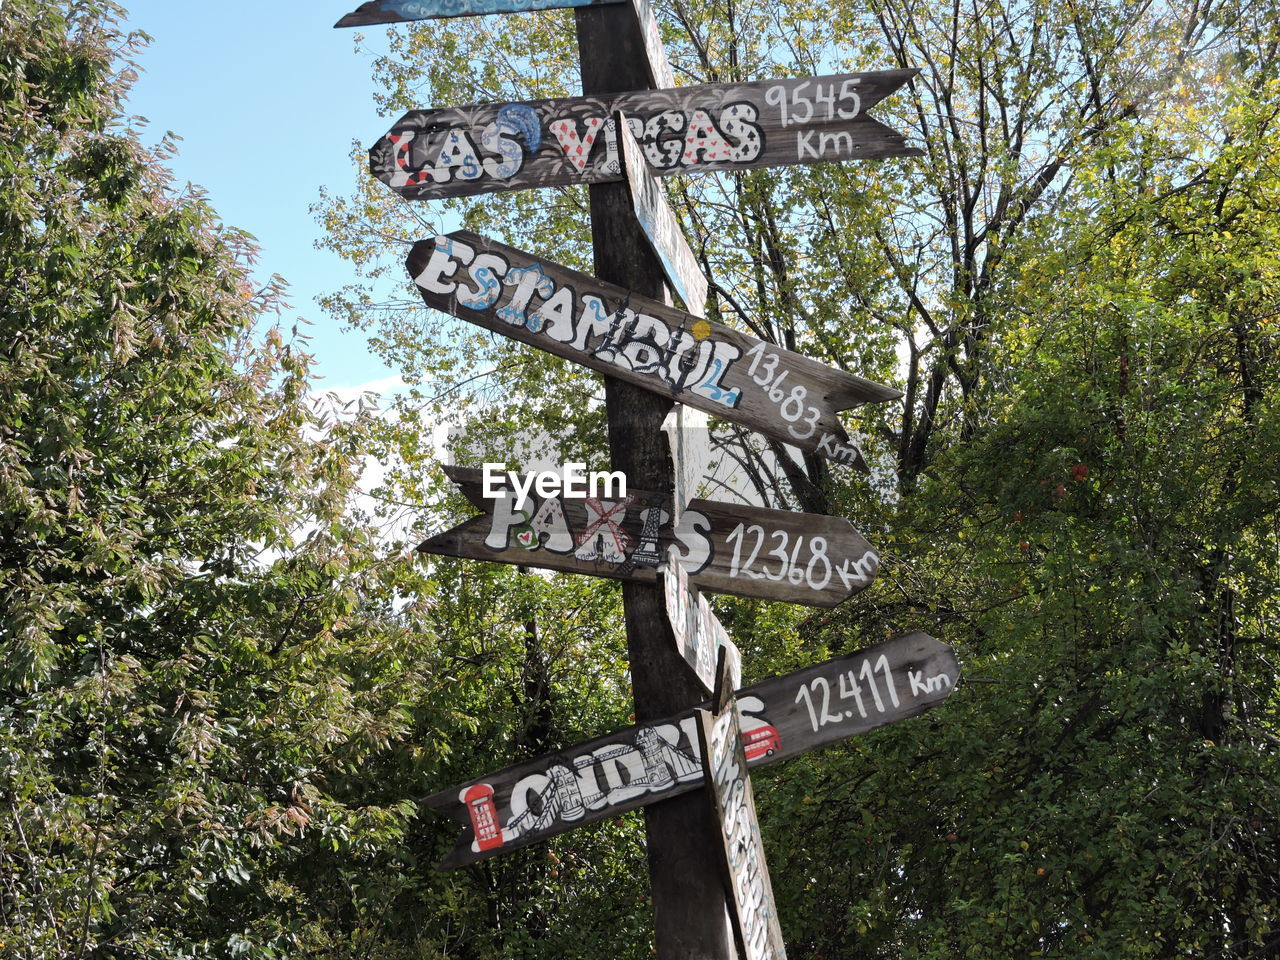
(527,539)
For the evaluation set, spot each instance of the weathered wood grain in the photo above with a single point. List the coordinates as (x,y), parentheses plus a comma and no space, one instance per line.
(660,225)
(483,148)
(693,457)
(726,548)
(616,51)
(752,906)
(403,11)
(699,635)
(641,764)
(726,373)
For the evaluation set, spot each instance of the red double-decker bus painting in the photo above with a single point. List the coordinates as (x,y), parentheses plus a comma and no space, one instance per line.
(478,799)
(761,742)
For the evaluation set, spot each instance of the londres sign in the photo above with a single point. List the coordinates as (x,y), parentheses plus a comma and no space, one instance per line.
(780,718)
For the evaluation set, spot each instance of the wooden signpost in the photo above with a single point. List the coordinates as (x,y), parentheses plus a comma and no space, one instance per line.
(633,338)
(780,718)
(615,139)
(724,762)
(660,225)
(816,560)
(689,908)
(462,151)
(401,11)
(700,637)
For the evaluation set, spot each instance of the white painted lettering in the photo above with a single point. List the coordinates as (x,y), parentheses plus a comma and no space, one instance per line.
(840,142)
(644,345)
(524,819)
(575,480)
(550,520)
(624,771)
(555,317)
(527,281)
(448,255)
(663,153)
(595,320)
(493,478)
(804,142)
(717,356)
(738,122)
(505,516)
(693,542)
(485,272)
(926,685)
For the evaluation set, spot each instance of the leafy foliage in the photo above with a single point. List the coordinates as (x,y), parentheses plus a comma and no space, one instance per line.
(191,662)
(1076,289)
(223,694)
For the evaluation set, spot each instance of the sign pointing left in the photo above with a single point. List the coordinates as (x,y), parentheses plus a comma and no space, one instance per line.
(567,141)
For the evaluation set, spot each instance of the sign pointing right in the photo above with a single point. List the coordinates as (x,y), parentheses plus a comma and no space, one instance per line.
(804,558)
(482,148)
(780,717)
(727,373)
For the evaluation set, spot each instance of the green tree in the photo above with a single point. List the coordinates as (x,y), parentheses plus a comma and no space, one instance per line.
(196,652)
(1102,547)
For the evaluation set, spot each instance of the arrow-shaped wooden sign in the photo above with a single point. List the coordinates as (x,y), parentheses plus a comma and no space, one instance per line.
(461,151)
(726,548)
(780,718)
(706,365)
(402,11)
(750,893)
(698,633)
(660,226)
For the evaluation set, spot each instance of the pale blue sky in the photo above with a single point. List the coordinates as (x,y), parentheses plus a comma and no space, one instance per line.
(267,98)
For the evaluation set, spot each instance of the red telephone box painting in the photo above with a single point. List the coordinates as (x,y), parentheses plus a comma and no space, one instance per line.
(478,799)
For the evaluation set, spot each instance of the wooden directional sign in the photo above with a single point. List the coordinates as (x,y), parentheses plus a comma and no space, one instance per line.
(699,634)
(729,374)
(400,11)
(656,62)
(726,548)
(660,225)
(754,911)
(780,718)
(461,151)
(693,458)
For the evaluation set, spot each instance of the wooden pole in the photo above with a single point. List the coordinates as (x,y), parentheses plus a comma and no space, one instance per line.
(687,888)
